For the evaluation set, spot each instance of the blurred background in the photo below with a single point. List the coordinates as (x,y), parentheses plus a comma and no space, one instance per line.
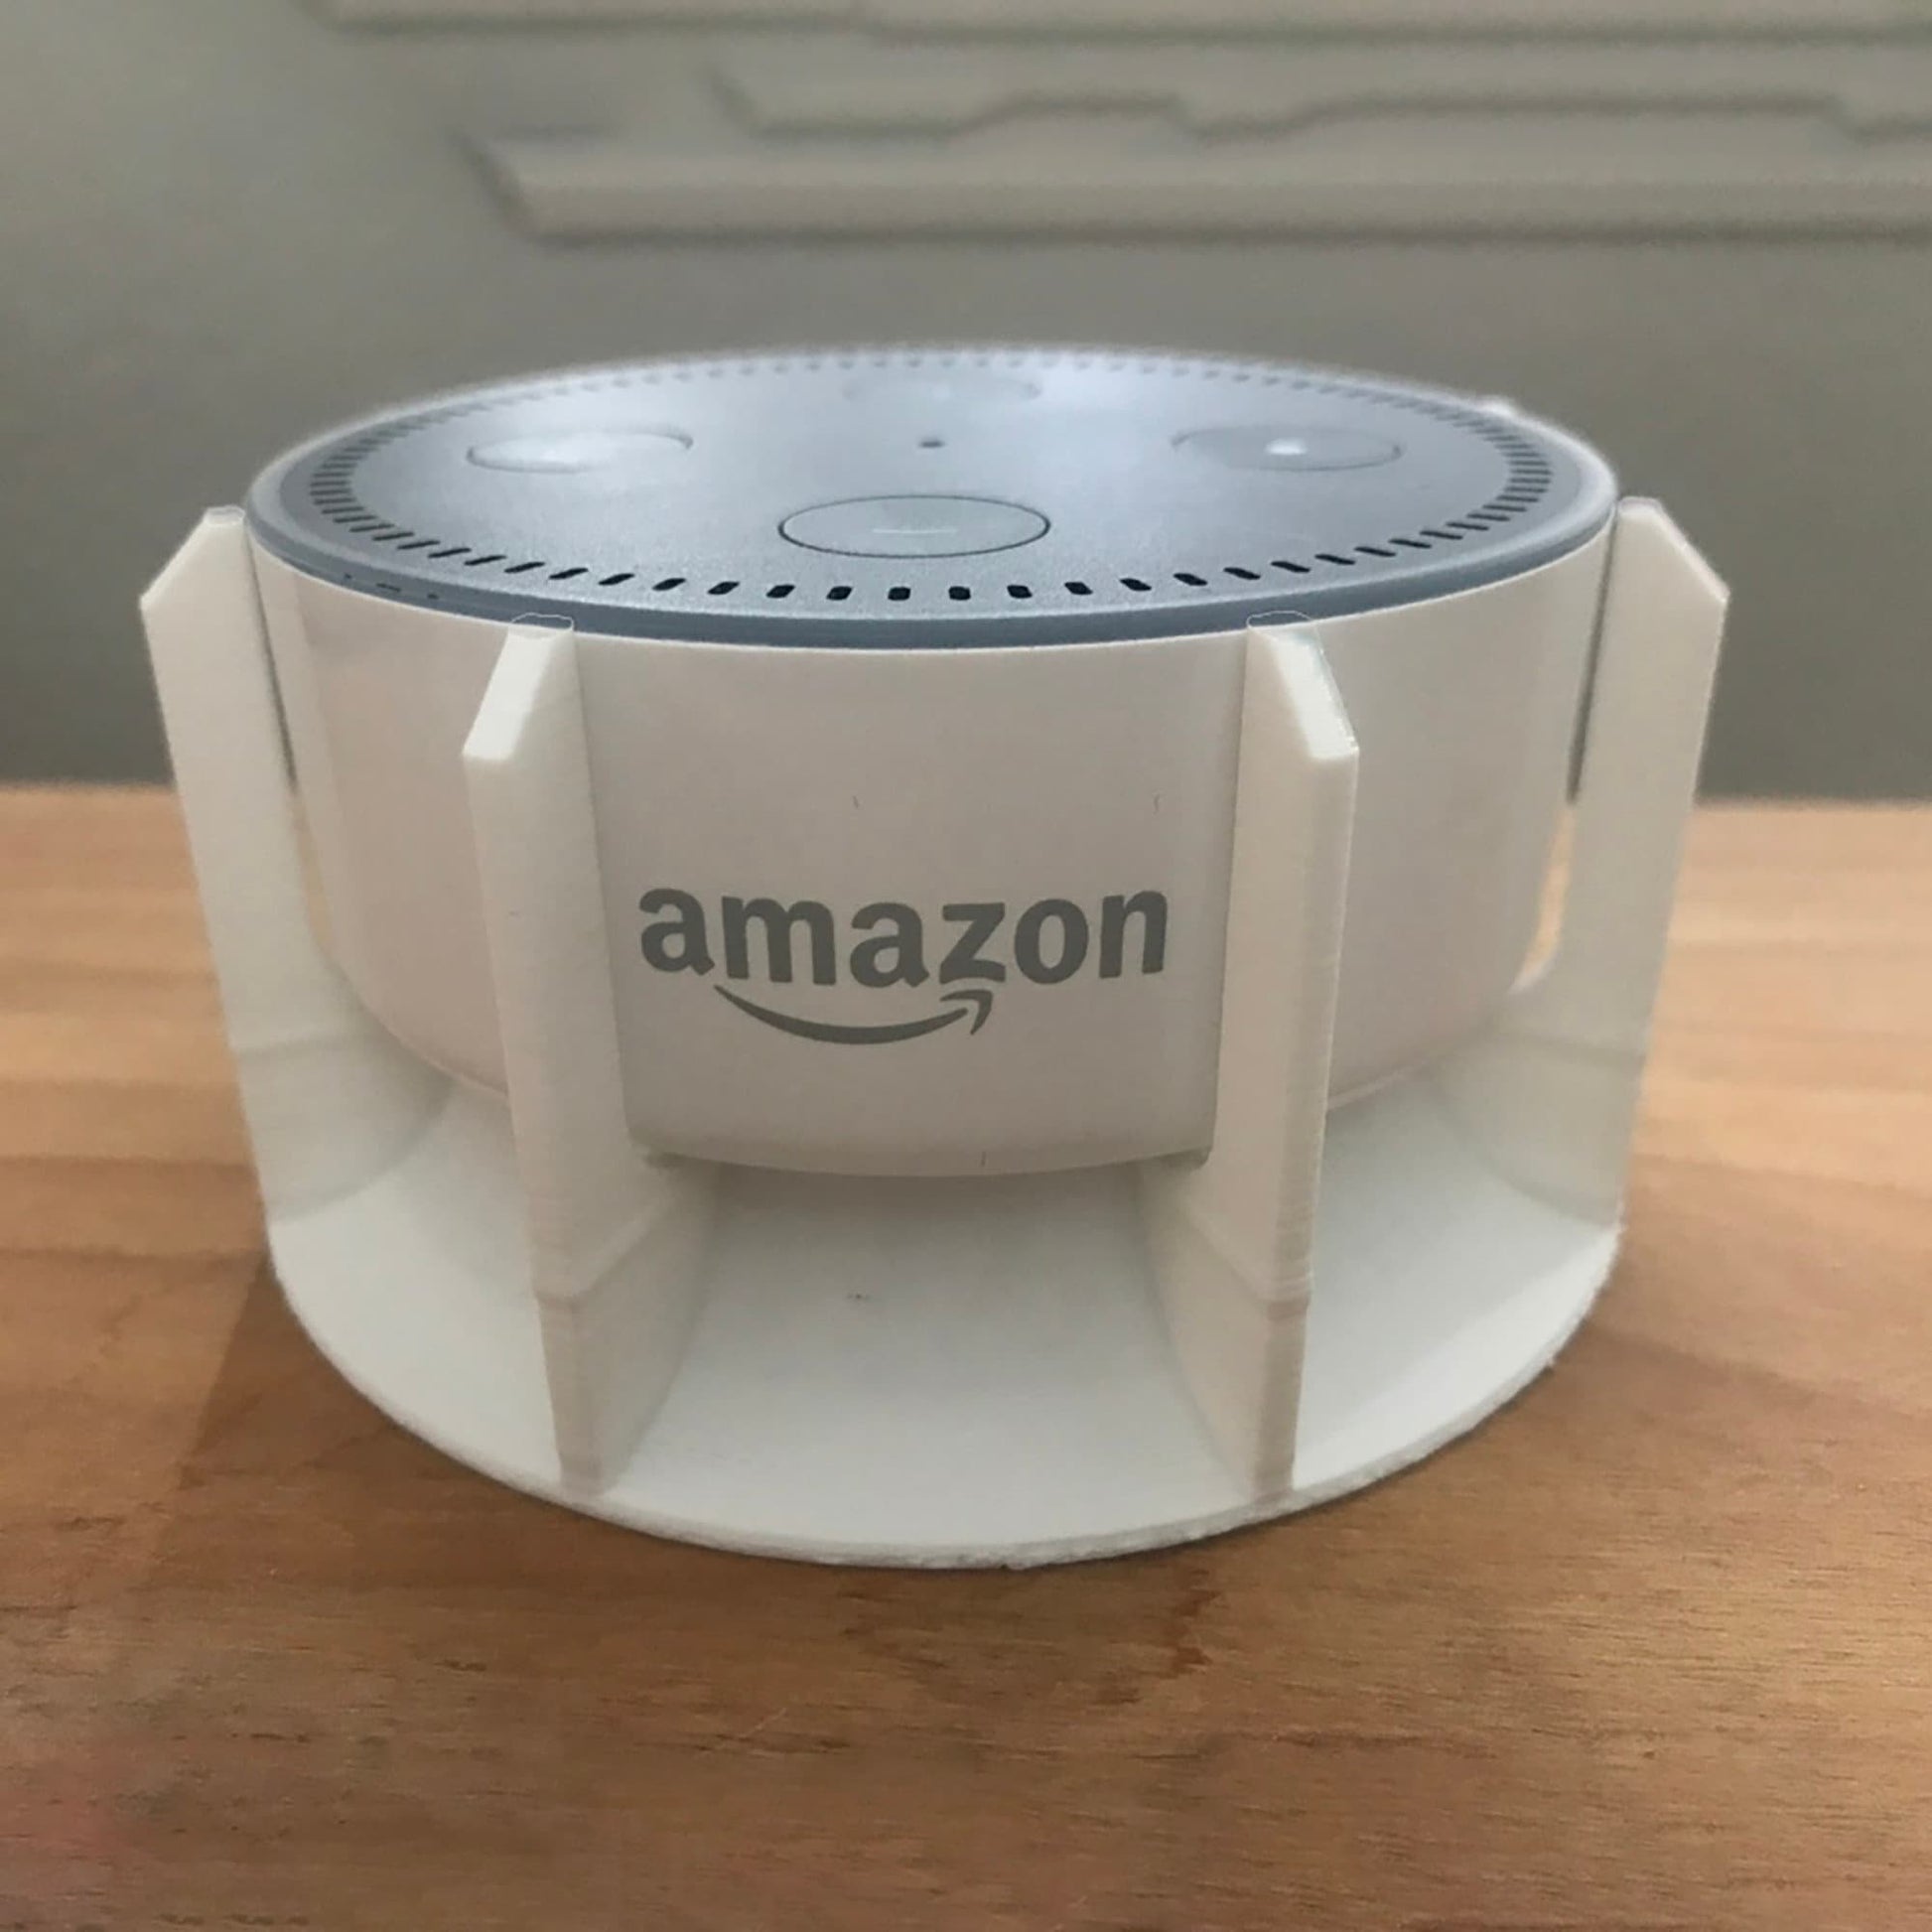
(1698,231)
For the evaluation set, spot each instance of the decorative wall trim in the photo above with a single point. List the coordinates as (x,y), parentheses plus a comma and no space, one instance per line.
(1432,19)
(584,188)
(569,13)
(1468,19)
(873,87)
(1039,117)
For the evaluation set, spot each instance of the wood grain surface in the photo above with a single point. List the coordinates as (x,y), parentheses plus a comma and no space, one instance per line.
(1651,1649)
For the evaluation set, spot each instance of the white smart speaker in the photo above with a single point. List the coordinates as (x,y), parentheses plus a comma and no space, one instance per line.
(924,956)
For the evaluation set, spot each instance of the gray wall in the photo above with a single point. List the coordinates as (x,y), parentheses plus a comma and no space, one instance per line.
(226,223)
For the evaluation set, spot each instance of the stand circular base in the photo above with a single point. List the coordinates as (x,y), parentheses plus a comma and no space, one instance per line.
(871,1399)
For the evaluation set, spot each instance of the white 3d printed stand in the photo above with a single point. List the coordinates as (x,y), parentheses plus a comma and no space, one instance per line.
(1013,1370)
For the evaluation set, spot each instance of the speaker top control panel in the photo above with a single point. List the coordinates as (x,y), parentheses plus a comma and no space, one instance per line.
(919,499)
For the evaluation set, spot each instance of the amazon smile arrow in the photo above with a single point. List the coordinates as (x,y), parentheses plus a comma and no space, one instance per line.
(956,1004)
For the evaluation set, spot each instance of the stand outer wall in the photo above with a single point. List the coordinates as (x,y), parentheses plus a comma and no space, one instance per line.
(1231,1236)
(1552,1090)
(615,1242)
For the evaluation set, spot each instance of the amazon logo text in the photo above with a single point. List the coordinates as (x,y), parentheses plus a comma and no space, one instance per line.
(966,953)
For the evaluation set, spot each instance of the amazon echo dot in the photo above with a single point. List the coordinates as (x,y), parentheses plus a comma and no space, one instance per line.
(982,769)
(837,558)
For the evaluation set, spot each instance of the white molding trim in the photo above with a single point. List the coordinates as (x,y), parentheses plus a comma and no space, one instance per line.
(1433,19)
(601,189)
(1190,19)
(839,86)
(880,117)
(577,13)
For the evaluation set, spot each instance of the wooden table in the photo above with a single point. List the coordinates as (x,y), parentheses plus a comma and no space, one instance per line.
(1653,1648)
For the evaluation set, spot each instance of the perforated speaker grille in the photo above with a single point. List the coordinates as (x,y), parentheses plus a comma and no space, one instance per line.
(912,498)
